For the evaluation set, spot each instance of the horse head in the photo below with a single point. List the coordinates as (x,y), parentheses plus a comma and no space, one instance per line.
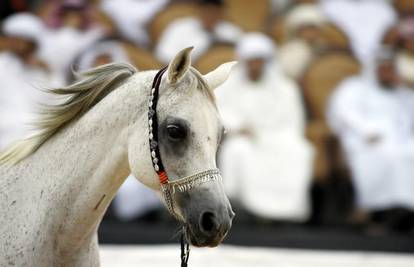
(189,132)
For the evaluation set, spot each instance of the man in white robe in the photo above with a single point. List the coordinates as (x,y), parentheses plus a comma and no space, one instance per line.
(59,47)
(303,24)
(132,16)
(201,31)
(365,23)
(265,159)
(376,130)
(21,71)
(100,53)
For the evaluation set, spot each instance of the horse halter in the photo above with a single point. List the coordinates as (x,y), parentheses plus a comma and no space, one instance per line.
(183,184)
(170,187)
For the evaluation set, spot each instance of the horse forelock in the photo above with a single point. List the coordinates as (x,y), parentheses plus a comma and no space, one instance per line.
(79,97)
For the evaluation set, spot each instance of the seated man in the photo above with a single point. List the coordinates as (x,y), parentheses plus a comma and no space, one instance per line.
(21,72)
(70,32)
(100,53)
(375,16)
(376,132)
(201,31)
(132,16)
(266,161)
(303,28)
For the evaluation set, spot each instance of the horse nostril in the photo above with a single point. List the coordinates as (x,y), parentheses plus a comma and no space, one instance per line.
(208,223)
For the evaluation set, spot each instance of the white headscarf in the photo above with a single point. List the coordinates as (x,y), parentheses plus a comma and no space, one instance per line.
(24,25)
(303,15)
(112,48)
(255,45)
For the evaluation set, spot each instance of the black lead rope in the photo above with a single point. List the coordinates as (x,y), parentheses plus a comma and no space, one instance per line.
(185,249)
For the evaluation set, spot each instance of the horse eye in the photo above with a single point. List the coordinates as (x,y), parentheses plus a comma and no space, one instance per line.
(176,132)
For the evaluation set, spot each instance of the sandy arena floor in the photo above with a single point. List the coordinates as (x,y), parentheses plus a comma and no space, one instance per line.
(226,256)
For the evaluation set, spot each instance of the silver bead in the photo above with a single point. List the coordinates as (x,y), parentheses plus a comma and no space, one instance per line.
(156,167)
(153,144)
(153,91)
(150,122)
(153,154)
(150,104)
(155,160)
(151,136)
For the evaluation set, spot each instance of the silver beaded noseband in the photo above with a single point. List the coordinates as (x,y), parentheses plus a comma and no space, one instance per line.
(181,185)
(186,184)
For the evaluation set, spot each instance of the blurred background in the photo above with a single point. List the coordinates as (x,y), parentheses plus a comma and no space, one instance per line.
(319,112)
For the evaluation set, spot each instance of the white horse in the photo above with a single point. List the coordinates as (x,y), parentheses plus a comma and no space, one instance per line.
(56,185)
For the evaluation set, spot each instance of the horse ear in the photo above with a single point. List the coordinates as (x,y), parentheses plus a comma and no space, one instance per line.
(179,66)
(218,76)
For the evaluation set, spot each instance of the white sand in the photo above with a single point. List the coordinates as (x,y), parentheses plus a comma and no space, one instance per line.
(226,256)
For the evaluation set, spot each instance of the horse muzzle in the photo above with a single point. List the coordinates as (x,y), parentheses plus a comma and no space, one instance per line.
(209,228)
(204,208)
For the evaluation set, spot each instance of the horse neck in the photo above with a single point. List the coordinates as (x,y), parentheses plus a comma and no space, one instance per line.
(88,162)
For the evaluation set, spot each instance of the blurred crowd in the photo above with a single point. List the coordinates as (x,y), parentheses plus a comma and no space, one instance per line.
(319,111)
